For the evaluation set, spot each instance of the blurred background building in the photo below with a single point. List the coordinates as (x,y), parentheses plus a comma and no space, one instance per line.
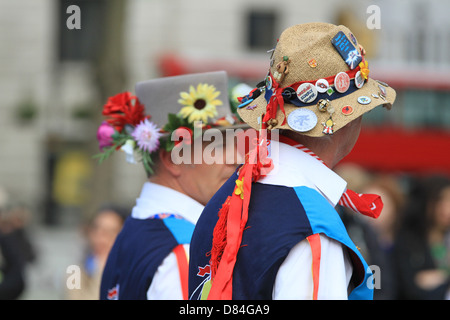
(55,80)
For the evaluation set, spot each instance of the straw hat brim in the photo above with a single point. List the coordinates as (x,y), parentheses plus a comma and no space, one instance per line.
(340,119)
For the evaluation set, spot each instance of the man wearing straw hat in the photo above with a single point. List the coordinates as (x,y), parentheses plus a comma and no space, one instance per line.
(149,257)
(272,231)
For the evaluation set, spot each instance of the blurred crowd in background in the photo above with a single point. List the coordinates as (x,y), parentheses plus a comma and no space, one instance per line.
(410,241)
(54,81)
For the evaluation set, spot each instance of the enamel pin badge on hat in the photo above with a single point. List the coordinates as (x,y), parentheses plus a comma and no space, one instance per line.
(347,50)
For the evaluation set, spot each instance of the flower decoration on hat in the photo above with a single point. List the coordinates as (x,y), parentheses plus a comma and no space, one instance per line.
(124,109)
(364,67)
(147,136)
(128,129)
(198,112)
(199,104)
(104,135)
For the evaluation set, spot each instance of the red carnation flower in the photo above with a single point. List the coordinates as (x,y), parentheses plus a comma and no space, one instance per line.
(123,109)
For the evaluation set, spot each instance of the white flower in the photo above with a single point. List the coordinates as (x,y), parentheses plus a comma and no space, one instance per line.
(147,136)
(128,148)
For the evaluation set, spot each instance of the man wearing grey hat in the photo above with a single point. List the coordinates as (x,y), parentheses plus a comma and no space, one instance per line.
(149,257)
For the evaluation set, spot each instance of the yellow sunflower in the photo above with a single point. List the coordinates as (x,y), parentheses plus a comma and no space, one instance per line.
(200,103)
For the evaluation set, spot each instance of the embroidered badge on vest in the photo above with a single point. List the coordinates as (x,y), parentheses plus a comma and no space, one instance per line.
(113,294)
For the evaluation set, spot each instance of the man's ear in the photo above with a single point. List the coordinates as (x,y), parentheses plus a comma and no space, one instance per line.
(166,162)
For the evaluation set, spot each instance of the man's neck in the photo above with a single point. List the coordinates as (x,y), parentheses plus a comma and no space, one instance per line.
(324,148)
(166,181)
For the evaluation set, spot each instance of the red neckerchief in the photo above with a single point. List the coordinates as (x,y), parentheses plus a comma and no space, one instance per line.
(233,215)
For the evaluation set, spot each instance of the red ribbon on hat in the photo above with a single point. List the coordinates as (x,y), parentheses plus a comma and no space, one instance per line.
(275,101)
(233,215)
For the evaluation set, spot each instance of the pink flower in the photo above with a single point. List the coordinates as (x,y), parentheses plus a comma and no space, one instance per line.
(104,133)
(147,136)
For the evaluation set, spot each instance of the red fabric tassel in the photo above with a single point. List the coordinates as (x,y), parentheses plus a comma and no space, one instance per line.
(219,237)
(227,234)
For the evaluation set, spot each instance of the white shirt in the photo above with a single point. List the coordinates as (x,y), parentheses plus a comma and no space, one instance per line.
(155,199)
(293,168)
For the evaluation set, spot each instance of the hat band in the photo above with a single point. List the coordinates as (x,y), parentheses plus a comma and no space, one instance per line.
(293,98)
(330,79)
(290,96)
(305,92)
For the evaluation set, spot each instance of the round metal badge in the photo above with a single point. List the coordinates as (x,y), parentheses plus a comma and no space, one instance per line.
(289,93)
(307,92)
(342,82)
(359,80)
(322,85)
(347,110)
(364,100)
(302,120)
(268,82)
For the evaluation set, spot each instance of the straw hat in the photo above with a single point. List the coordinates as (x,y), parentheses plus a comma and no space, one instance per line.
(317,83)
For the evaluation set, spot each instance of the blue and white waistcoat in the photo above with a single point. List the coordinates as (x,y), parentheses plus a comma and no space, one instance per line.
(138,251)
(279,218)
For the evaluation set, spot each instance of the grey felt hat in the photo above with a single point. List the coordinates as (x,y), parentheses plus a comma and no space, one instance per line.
(199,96)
